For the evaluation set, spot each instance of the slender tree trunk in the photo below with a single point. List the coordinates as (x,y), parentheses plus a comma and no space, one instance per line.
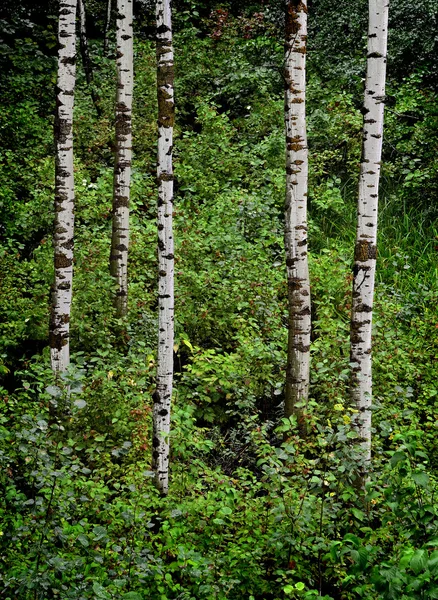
(166,117)
(366,234)
(122,167)
(64,189)
(85,54)
(107,26)
(295,237)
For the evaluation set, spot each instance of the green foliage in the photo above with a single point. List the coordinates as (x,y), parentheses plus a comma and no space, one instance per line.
(338,38)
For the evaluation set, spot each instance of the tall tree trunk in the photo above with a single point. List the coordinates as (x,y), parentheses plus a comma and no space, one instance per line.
(366,234)
(295,236)
(85,54)
(166,117)
(64,189)
(122,167)
(107,26)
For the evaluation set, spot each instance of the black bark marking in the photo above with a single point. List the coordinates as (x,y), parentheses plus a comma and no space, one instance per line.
(68,245)
(62,261)
(62,131)
(120,202)
(364,308)
(165,177)
(364,251)
(162,29)
(68,60)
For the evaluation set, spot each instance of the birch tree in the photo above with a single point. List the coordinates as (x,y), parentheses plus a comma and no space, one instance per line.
(107,26)
(166,117)
(85,53)
(366,233)
(295,237)
(64,189)
(122,166)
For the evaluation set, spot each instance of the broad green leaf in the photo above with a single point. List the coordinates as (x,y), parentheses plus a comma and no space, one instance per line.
(349,537)
(53,390)
(225,510)
(83,539)
(406,558)
(397,457)
(358,514)
(363,556)
(100,591)
(419,561)
(421,478)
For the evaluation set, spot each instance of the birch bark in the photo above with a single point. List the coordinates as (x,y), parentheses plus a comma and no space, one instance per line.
(86,61)
(122,166)
(107,26)
(366,233)
(64,189)
(295,236)
(166,117)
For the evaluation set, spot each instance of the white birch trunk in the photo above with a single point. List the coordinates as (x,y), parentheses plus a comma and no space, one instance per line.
(295,237)
(64,189)
(366,234)
(166,117)
(122,166)
(107,26)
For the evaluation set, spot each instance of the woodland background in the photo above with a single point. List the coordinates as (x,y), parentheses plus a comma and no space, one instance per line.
(248,516)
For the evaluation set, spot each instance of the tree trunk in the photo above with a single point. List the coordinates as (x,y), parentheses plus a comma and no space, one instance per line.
(295,236)
(85,54)
(122,167)
(166,117)
(366,233)
(64,189)
(107,26)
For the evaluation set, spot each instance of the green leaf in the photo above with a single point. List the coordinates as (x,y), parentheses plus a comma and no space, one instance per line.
(397,457)
(99,533)
(188,344)
(406,558)
(100,591)
(358,514)
(433,560)
(350,537)
(132,596)
(80,403)
(225,510)
(363,556)
(300,585)
(288,589)
(421,478)
(83,539)
(53,390)
(419,561)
